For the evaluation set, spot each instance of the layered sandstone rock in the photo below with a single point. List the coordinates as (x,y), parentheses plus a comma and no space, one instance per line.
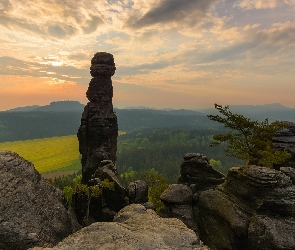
(196,172)
(32,211)
(196,175)
(97,136)
(253,209)
(136,228)
(285,139)
(178,203)
(99,128)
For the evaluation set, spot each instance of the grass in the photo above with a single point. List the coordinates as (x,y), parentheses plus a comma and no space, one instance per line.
(48,154)
(55,154)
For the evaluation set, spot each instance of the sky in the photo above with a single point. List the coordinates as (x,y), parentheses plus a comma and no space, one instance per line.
(168,53)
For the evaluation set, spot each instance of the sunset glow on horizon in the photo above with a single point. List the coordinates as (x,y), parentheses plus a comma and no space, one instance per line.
(168,53)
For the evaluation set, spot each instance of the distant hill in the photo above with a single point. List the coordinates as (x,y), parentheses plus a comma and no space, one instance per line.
(24,109)
(63,118)
(60,106)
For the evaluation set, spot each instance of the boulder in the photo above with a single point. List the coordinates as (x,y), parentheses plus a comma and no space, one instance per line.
(177,199)
(138,192)
(253,209)
(134,228)
(178,194)
(32,211)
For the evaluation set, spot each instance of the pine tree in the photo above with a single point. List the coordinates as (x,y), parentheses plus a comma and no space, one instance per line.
(249,140)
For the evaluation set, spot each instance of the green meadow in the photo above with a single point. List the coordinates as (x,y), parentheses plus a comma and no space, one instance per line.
(48,154)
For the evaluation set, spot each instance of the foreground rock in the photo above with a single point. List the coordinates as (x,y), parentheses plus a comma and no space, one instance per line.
(134,228)
(32,212)
(254,209)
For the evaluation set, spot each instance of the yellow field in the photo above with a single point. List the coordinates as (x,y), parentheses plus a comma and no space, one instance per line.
(48,154)
(53,154)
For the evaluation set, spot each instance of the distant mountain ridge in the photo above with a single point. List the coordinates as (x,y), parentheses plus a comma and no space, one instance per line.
(77,106)
(64,118)
(59,106)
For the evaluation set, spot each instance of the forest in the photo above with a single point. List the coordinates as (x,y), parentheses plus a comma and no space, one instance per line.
(42,124)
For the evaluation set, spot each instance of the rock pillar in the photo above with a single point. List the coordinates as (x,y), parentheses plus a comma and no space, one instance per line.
(98,131)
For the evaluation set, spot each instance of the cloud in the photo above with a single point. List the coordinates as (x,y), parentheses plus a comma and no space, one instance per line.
(264,4)
(269,51)
(51,20)
(5,5)
(61,31)
(18,24)
(92,24)
(47,69)
(171,11)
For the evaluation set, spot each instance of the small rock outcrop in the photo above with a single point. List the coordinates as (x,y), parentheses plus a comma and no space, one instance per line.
(253,209)
(196,171)
(285,139)
(32,211)
(98,131)
(138,192)
(178,203)
(134,228)
(196,175)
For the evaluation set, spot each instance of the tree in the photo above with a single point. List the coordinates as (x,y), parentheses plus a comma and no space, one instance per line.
(249,140)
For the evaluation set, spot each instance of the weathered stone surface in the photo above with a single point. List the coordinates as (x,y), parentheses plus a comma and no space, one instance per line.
(114,199)
(197,175)
(248,210)
(177,193)
(271,233)
(289,171)
(32,211)
(285,139)
(108,203)
(222,223)
(135,228)
(196,170)
(98,131)
(178,203)
(138,192)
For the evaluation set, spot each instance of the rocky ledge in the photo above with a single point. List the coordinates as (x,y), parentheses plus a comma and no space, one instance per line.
(134,228)
(253,209)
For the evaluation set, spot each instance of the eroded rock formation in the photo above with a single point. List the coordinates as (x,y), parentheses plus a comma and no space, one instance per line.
(32,211)
(285,139)
(134,227)
(179,199)
(196,172)
(98,145)
(99,128)
(138,192)
(253,209)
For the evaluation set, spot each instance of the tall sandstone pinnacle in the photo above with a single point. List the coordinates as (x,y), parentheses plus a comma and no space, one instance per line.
(98,131)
